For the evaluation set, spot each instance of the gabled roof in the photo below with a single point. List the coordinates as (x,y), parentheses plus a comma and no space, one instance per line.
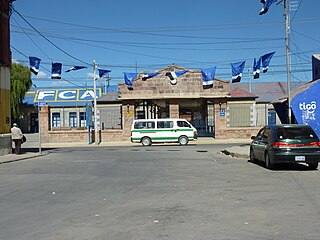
(241,93)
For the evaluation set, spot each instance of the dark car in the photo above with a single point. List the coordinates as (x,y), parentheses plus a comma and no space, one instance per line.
(291,143)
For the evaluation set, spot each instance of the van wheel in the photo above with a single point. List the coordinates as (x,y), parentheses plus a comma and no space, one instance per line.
(183,140)
(313,166)
(269,164)
(146,141)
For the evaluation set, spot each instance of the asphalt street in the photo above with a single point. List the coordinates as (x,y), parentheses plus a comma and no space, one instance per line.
(157,192)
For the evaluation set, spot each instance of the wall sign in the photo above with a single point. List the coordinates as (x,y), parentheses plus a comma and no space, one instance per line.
(222,112)
(66,95)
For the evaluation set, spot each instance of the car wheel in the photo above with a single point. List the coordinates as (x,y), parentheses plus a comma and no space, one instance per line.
(183,140)
(146,141)
(252,158)
(313,166)
(269,164)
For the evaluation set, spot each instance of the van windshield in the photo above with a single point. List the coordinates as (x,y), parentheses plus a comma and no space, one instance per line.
(183,124)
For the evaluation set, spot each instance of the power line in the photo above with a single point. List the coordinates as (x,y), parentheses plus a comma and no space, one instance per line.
(49,39)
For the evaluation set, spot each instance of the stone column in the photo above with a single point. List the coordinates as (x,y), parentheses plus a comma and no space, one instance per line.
(220,119)
(128,115)
(44,123)
(173,109)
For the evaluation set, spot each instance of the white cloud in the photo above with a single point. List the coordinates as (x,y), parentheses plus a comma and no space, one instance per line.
(41,74)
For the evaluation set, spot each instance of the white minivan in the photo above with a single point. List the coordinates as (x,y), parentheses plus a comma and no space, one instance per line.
(148,131)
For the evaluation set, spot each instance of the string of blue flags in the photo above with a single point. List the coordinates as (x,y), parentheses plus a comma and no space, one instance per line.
(208,74)
(266,6)
(56,68)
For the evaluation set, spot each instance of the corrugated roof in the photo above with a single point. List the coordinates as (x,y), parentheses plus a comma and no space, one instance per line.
(241,93)
(109,97)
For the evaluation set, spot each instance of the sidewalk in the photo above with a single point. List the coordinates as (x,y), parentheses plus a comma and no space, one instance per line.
(241,150)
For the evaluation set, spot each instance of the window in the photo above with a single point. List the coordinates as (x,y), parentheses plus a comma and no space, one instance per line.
(239,115)
(164,124)
(296,133)
(82,119)
(144,125)
(73,119)
(56,119)
(183,124)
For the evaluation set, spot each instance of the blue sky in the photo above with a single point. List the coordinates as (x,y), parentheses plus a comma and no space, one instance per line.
(130,36)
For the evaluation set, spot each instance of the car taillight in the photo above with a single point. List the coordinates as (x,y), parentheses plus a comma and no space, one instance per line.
(316,144)
(195,134)
(285,145)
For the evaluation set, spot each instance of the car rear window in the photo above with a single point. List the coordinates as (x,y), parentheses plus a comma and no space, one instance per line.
(296,133)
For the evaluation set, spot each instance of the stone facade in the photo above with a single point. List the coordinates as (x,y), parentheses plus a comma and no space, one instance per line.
(188,85)
(188,98)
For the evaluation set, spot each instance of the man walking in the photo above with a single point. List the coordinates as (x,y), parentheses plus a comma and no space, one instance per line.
(16,137)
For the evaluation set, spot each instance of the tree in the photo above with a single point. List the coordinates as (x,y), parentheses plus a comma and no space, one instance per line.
(21,82)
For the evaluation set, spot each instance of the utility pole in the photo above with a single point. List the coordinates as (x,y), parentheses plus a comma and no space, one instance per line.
(95,103)
(288,62)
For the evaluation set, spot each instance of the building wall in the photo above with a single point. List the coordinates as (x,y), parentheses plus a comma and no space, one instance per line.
(188,85)
(5,62)
(5,111)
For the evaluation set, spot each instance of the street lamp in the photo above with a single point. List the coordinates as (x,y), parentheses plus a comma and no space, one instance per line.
(95,103)
(39,126)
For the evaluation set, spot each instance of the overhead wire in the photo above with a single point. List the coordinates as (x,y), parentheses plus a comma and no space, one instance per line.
(52,43)
(137,44)
(63,79)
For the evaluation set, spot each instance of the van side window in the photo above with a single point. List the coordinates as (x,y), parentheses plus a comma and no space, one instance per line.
(164,124)
(183,124)
(144,125)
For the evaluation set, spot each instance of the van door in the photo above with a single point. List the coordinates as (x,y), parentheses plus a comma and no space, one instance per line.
(165,131)
(184,128)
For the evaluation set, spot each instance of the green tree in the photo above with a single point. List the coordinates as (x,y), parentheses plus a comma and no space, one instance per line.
(21,82)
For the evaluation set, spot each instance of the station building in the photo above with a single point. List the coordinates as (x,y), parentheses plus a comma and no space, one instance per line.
(217,111)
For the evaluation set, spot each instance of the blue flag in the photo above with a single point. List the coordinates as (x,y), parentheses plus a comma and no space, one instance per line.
(237,70)
(208,75)
(128,78)
(146,76)
(266,5)
(103,73)
(74,68)
(256,68)
(56,70)
(174,75)
(305,107)
(34,64)
(266,61)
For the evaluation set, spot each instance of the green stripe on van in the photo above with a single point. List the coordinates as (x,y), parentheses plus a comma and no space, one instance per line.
(162,139)
(163,130)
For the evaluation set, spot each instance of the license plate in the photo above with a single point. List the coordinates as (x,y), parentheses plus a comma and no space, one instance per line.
(300,158)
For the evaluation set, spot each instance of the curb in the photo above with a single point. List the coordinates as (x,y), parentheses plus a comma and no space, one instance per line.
(233,154)
(23,158)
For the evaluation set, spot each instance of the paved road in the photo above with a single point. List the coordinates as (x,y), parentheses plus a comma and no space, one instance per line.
(158,192)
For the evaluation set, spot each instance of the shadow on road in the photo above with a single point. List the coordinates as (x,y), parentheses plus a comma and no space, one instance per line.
(284,166)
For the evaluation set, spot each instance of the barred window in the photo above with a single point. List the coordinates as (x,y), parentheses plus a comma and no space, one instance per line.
(240,115)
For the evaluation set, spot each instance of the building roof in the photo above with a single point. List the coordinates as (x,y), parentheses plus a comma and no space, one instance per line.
(266,91)
(241,93)
(109,97)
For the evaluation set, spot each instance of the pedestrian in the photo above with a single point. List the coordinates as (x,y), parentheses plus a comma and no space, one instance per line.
(17,138)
